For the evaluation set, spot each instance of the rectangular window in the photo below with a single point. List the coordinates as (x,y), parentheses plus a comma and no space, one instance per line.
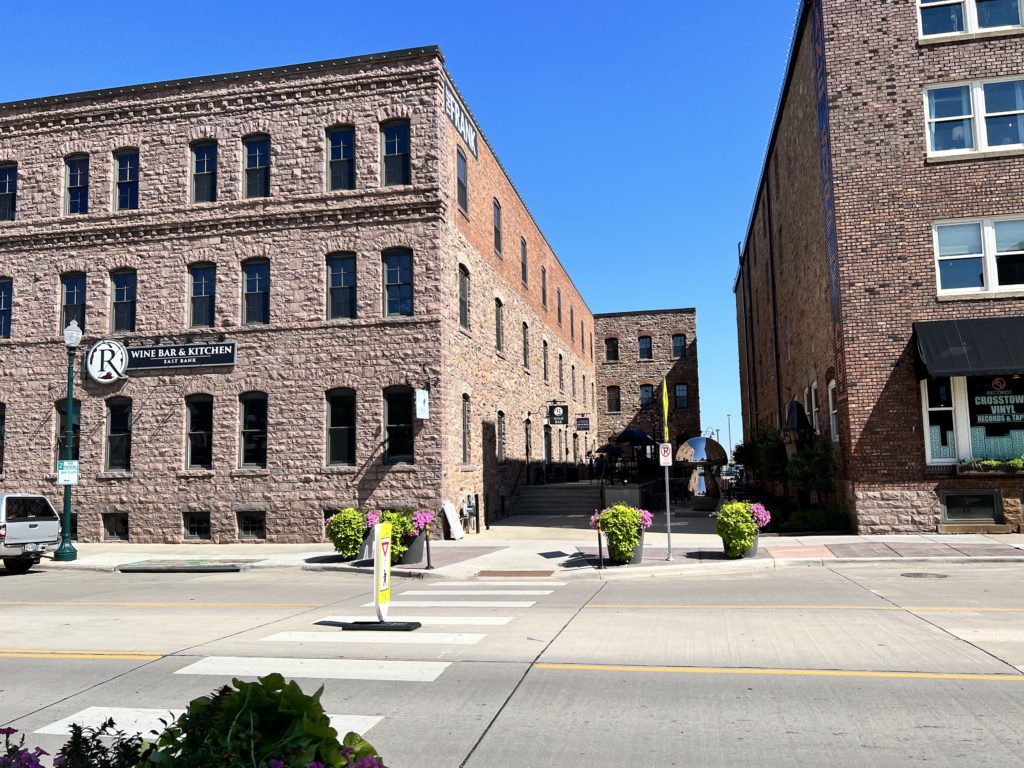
(544,287)
(558,305)
(614,404)
(679,346)
(252,525)
(499,325)
(561,374)
(77,168)
(971,507)
(395,168)
(951,17)
(815,409)
(682,396)
(341,159)
(6,298)
(497,227)
(466,438)
(981,116)
(119,434)
(463,297)
(526,346)
(256,293)
(202,295)
(123,287)
(572,323)
(572,380)
(73,300)
(524,271)
(253,427)
(499,445)
(462,176)
(611,350)
(646,348)
(398,420)
(341,430)
(8,191)
(980,256)
(127,164)
(204,172)
(62,427)
(115,526)
(341,286)
(833,412)
(257,166)
(940,440)
(544,354)
(646,397)
(398,283)
(197,526)
(199,415)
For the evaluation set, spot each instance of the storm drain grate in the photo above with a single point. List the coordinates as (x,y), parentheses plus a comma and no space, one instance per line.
(925,575)
(518,574)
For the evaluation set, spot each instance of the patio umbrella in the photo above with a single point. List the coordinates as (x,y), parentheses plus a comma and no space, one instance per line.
(635,437)
(608,448)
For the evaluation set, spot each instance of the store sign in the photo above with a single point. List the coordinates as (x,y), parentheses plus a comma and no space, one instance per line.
(182,356)
(996,401)
(558,415)
(422,404)
(583,425)
(460,118)
(107,361)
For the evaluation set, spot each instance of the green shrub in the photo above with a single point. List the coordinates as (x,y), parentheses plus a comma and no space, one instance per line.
(812,467)
(991,463)
(102,747)
(622,526)
(737,528)
(1017,465)
(401,529)
(346,530)
(255,725)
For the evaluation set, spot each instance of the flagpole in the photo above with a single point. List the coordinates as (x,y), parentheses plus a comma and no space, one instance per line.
(668,503)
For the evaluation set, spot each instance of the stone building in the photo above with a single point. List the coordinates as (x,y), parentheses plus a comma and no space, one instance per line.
(637,352)
(328,290)
(881,281)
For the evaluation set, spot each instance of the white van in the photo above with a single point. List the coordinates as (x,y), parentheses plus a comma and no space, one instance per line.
(29,526)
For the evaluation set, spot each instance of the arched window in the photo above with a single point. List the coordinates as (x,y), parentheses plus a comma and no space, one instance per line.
(499,447)
(833,411)
(497,226)
(398,426)
(524,271)
(341,427)
(545,355)
(561,373)
(463,296)
(499,325)
(526,346)
(252,409)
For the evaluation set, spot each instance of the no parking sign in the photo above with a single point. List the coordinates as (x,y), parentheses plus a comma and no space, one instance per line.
(665,454)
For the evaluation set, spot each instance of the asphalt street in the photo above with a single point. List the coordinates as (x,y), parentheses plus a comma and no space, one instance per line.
(859,665)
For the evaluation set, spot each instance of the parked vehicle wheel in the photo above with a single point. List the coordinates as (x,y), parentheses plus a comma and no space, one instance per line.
(17,565)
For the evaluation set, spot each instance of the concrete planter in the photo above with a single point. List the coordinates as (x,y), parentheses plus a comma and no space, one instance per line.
(638,551)
(416,552)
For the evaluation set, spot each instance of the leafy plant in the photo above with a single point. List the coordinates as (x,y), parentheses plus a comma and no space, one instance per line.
(346,530)
(15,755)
(737,528)
(88,748)
(621,525)
(266,724)
(1017,465)
(401,529)
(812,467)
(765,453)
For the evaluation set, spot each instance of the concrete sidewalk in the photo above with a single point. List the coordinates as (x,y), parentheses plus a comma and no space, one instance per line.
(563,546)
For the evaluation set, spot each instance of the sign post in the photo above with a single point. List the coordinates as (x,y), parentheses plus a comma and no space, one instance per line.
(382,569)
(665,455)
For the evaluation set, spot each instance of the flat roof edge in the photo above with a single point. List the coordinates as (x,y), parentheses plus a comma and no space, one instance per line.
(680,311)
(287,69)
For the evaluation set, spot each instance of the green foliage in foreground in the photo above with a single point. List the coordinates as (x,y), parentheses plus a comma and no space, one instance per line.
(737,528)
(346,530)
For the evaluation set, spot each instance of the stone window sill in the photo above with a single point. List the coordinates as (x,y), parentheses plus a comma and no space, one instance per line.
(339,469)
(966,37)
(465,214)
(470,468)
(400,467)
(253,472)
(500,354)
(465,332)
(983,154)
(197,474)
(114,475)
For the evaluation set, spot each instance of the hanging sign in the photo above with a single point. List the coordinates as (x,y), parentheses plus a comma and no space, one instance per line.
(382,569)
(67,472)
(182,355)
(558,415)
(107,361)
(583,425)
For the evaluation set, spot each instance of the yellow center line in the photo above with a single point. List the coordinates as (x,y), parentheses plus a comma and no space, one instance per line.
(747,607)
(120,604)
(780,672)
(46,653)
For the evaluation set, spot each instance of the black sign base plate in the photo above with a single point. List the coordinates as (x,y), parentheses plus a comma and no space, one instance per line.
(374,626)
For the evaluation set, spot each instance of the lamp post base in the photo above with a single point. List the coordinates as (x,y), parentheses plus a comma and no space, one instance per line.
(66,552)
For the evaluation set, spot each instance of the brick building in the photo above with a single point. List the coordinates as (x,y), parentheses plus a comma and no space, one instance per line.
(311,254)
(881,281)
(637,351)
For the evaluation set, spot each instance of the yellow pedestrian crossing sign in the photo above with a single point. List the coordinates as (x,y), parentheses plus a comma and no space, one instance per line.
(382,569)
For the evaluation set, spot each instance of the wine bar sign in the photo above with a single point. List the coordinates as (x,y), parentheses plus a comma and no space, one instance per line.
(166,356)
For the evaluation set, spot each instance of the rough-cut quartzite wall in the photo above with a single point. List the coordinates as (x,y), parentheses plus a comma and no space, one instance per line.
(887,194)
(629,372)
(299,355)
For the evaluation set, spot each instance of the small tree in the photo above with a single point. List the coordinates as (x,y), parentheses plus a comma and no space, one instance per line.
(765,453)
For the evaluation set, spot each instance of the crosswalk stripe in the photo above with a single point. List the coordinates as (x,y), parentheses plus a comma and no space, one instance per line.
(428,621)
(317,669)
(458,604)
(386,638)
(534,583)
(144,721)
(474,592)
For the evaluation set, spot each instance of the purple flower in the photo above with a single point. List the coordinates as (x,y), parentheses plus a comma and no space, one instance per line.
(372,518)
(595,520)
(420,521)
(761,515)
(646,519)
(275,763)
(8,731)
(314,764)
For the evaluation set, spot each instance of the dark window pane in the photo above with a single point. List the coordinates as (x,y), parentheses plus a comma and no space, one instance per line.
(682,396)
(961,273)
(678,346)
(973,507)
(646,348)
(200,432)
(944,19)
(8,192)
(119,434)
(341,286)
(1011,269)
(398,283)
(497,226)
(398,406)
(646,396)
(73,288)
(611,349)
(62,425)
(462,174)
(256,309)
(463,297)
(78,185)
(204,172)
(998,13)
(395,140)
(257,167)
(202,280)
(127,181)
(254,430)
(6,298)
(341,444)
(341,159)
(613,399)
(124,289)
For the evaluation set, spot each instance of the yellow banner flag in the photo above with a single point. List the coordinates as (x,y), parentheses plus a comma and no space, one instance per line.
(664,406)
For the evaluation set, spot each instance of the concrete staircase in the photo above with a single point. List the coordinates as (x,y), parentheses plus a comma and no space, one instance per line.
(560,499)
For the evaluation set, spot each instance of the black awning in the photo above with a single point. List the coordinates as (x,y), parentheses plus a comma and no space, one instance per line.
(981,347)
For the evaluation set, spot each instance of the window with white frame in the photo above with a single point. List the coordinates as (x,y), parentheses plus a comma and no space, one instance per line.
(940,427)
(815,409)
(981,116)
(973,418)
(833,412)
(952,17)
(980,256)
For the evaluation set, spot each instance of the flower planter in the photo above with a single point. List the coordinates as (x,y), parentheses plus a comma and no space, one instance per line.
(366,548)
(638,551)
(752,552)
(416,551)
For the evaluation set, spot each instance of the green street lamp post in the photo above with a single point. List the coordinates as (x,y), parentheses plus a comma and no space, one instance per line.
(66,552)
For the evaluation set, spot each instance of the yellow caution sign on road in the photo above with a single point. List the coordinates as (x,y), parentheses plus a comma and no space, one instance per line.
(382,569)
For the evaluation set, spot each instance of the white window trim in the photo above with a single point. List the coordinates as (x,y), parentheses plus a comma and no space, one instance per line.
(971,27)
(977,118)
(988,257)
(961,423)
(833,411)
(815,409)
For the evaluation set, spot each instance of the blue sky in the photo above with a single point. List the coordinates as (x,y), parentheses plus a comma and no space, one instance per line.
(635,132)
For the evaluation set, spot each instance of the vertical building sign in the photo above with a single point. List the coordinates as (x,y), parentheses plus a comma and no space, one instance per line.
(460,118)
